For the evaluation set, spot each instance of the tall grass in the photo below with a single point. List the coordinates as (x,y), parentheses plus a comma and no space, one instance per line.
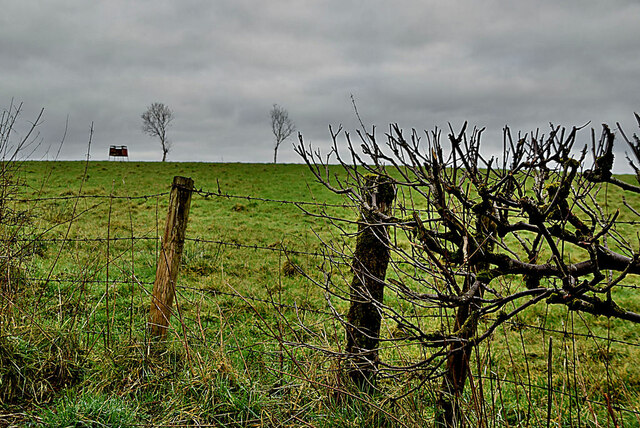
(74,347)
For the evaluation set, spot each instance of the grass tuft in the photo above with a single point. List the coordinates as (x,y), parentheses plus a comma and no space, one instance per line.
(90,410)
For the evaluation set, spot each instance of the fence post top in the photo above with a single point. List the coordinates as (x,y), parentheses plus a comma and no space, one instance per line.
(183,181)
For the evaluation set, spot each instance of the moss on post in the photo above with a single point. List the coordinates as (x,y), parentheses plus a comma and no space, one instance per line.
(369,267)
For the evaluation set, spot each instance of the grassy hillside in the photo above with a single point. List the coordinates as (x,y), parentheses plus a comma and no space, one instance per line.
(73,338)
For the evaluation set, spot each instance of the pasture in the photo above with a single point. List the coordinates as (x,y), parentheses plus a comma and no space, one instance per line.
(254,338)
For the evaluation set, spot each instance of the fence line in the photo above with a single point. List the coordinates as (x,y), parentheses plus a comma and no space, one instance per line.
(74,197)
(207,194)
(285,250)
(271,301)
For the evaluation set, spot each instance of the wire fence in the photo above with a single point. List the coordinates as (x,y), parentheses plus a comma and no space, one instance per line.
(549,367)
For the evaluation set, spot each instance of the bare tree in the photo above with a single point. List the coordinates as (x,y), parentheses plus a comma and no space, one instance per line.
(155,122)
(281,126)
(489,238)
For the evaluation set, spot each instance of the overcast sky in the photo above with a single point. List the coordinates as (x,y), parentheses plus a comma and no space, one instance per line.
(221,64)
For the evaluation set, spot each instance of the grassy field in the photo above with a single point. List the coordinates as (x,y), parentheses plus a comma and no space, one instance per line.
(73,338)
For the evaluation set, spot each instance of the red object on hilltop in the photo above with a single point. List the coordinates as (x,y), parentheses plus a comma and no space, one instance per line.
(119,151)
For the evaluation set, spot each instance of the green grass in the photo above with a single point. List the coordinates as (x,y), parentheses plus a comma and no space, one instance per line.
(73,341)
(85,409)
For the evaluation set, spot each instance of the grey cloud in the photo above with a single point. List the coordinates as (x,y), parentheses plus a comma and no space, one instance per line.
(221,65)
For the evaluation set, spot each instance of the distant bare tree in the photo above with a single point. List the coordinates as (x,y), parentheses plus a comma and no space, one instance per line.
(155,122)
(281,126)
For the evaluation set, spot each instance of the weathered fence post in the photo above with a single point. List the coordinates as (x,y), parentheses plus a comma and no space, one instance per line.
(370,262)
(164,287)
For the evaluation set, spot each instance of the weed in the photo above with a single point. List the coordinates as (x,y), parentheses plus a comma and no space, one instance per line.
(33,370)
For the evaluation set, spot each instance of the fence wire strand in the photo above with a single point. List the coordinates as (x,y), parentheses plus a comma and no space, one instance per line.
(190,296)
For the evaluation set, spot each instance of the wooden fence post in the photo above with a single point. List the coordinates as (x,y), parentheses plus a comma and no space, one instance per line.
(370,262)
(164,287)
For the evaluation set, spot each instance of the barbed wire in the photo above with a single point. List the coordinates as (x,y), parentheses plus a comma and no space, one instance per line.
(282,249)
(304,308)
(523,325)
(276,248)
(208,194)
(75,240)
(271,302)
(69,197)
(556,391)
